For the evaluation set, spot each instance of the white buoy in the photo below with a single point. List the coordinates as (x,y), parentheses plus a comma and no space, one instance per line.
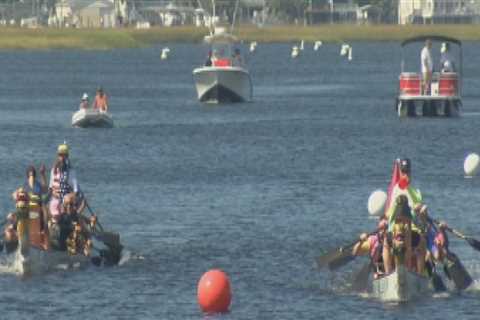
(295,52)
(350,57)
(165,52)
(253,46)
(317,45)
(471,164)
(376,203)
(344,49)
(302,45)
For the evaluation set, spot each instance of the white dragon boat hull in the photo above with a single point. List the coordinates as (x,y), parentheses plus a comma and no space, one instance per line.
(400,286)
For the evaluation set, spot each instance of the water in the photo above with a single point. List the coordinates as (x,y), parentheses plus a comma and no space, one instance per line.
(257,189)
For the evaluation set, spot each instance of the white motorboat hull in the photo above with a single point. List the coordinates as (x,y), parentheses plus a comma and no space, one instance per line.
(400,286)
(37,262)
(86,118)
(223,84)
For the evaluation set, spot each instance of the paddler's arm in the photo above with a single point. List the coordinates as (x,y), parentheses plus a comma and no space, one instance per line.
(362,247)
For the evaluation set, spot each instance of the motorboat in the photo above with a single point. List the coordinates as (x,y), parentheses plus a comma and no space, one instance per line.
(443,96)
(225,77)
(87,117)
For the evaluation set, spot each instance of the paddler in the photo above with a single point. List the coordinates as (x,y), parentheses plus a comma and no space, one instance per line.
(77,242)
(373,246)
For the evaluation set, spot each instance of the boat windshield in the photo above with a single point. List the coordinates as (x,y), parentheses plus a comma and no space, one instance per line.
(222,51)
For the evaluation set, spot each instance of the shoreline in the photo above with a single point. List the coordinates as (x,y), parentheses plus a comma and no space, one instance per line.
(106,39)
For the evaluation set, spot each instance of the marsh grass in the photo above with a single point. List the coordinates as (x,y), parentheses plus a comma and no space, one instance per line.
(98,39)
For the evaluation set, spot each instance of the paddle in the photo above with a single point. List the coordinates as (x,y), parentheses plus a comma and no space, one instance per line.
(92,213)
(360,279)
(436,280)
(109,257)
(453,268)
(338,257)
(474,243)
(110,239)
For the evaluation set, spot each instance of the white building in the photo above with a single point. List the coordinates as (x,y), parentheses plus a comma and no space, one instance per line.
(436,11)
(84,14)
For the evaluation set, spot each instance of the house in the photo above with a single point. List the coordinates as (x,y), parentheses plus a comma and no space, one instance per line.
(331,11)
(436,11)
(84,14)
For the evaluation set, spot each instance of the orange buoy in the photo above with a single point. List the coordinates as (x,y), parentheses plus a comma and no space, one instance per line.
(213,292)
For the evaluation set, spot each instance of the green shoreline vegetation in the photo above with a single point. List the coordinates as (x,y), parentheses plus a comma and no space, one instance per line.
(104,39)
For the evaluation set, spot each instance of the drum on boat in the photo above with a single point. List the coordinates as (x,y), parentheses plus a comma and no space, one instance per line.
(410,84)
(448,84)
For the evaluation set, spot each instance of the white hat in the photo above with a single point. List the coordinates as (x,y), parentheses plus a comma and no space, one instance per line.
(85,96)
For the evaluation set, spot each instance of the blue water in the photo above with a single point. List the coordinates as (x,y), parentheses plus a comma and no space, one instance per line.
(257,189)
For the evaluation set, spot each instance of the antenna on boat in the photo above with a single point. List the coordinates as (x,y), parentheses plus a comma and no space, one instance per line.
(212,20)
(234,16)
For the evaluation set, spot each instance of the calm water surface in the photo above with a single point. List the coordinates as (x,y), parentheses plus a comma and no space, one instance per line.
(257,189)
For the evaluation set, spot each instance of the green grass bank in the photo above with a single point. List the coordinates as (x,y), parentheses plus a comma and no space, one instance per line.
(103,39)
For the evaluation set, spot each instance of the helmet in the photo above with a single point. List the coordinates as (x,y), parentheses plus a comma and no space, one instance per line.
(62,149)
(85,96)
(405,165)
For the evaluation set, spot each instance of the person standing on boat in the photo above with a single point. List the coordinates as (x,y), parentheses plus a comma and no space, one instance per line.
(101,101)
(84,102)
(62,182)
(427,66)
(237,58)
(447,63)
(208,62)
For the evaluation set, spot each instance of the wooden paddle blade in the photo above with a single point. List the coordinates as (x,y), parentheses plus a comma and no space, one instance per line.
(458,273)
(360,279)
(474,243)
(340,261)
(111,239)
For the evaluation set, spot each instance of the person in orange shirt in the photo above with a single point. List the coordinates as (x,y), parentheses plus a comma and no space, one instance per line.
(101,101)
